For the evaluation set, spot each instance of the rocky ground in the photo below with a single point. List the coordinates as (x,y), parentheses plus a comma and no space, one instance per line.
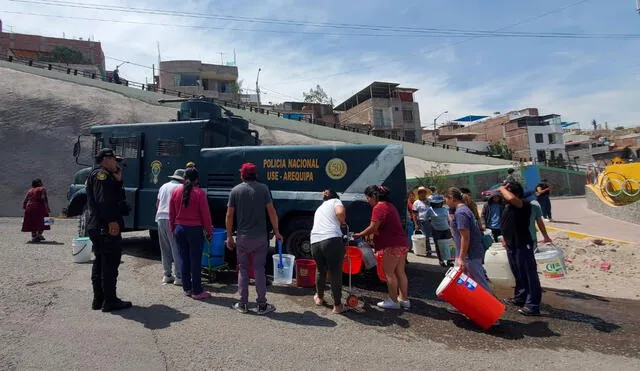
(598,267)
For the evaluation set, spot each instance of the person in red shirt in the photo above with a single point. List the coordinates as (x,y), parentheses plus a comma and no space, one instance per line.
(390,238)
(190,222)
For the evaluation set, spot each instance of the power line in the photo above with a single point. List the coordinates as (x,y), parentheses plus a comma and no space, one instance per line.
(414,35)
(411,30)
(524,21)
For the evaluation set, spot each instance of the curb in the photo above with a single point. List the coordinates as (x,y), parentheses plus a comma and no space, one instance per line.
(581,235)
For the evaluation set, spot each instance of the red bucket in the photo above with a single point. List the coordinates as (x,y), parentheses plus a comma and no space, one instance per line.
(251,274)
(352,260)
(379,257)
(305,272)
(471,299)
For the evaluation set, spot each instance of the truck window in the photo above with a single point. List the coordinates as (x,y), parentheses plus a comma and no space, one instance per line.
(170,147)
(126,147)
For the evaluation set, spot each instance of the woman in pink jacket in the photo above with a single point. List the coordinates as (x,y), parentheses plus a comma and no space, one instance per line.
(190,222)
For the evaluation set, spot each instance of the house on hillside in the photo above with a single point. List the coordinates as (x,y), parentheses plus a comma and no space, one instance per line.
(197,78)
(384,108)
(530,136)
(18,45)
(307,111)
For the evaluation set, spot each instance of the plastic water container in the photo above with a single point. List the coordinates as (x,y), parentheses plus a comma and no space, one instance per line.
(379,270)
(551,262)
(305,273)
(447,249)
(48,221)
(284,274)
(496,263)
(81,250)
(213,253)
(419,242)
(471,299)
(368,255)
(352,263)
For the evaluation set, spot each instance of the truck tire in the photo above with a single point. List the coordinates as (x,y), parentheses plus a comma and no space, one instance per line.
(297,240)
(82,223)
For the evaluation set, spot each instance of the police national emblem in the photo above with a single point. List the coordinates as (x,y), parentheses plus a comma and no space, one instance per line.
(336,168)
(101,175)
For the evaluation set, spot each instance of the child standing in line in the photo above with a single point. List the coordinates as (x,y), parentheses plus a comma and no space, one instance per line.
(438,216)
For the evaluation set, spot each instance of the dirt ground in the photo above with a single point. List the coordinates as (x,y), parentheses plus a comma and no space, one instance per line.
(598,267)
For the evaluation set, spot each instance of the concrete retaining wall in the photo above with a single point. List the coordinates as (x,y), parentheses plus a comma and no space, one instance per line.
(629,213)
(423,152)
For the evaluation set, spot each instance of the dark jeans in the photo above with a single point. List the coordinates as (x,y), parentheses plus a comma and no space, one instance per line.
(329,255)
(191,242)
(545,205)
(495,233)
(524,268)
(104,273)
(441,235)
(245,247)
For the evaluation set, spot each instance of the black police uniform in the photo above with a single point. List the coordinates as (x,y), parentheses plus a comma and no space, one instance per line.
(105,200)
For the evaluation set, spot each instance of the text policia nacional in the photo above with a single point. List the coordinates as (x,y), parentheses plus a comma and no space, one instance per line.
(292,169)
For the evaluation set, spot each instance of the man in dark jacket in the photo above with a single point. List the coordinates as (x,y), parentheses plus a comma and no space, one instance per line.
(515,223)
(107,205)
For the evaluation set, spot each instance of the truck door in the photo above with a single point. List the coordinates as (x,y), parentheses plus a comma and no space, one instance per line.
(129,147)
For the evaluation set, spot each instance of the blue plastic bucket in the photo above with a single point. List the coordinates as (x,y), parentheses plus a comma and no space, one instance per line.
(213,253)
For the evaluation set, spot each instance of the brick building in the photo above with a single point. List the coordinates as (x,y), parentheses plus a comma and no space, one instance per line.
(27,46)
(197,78)
(305,110)
(386,109)
(530,136)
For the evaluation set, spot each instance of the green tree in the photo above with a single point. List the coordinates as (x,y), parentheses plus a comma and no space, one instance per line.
(619,128)
(501,150)
(436,177)
(63,54)
(627,153)
(317,95)
(594,123)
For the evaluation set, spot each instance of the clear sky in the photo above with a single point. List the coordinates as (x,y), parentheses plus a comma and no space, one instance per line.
(519,60)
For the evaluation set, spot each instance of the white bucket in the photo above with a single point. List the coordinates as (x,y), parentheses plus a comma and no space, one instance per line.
(81,250)
(284,274)
(551,263)
(496,263)
(419,242)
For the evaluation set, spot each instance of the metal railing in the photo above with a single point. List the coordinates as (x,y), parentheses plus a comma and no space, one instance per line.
(175,93)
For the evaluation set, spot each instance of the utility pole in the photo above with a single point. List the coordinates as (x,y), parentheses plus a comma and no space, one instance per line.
(221,59)
(258,87)
(435,137)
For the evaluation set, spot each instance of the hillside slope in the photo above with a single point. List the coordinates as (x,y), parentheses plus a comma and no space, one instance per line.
(41,117)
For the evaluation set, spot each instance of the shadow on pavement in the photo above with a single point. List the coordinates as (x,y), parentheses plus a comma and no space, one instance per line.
(306,318)
(140,247)
(576,295)
(563,222)
(154,317)
(45,243)
(568,315)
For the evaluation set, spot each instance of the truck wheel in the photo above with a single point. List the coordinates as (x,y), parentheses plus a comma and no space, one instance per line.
(297,242)
(82,223)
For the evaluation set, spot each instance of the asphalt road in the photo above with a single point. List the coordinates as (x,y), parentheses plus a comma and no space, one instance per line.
(46,323)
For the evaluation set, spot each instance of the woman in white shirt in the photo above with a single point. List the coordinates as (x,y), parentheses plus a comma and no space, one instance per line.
(328,248)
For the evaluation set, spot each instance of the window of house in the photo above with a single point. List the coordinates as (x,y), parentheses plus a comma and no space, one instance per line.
(186,79)
(552,138)
(378,118)
(542,156)
(407,115)
(539,138)
(170,147)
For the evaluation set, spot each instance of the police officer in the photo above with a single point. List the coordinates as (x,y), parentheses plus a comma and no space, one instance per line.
(107,205)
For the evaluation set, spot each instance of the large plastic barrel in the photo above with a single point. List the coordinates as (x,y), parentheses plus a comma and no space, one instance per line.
(471,299)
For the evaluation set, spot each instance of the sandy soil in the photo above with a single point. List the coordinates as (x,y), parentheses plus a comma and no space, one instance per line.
(587,263)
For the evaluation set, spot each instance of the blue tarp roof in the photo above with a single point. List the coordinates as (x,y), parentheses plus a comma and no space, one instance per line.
(470,118)
(565,124)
